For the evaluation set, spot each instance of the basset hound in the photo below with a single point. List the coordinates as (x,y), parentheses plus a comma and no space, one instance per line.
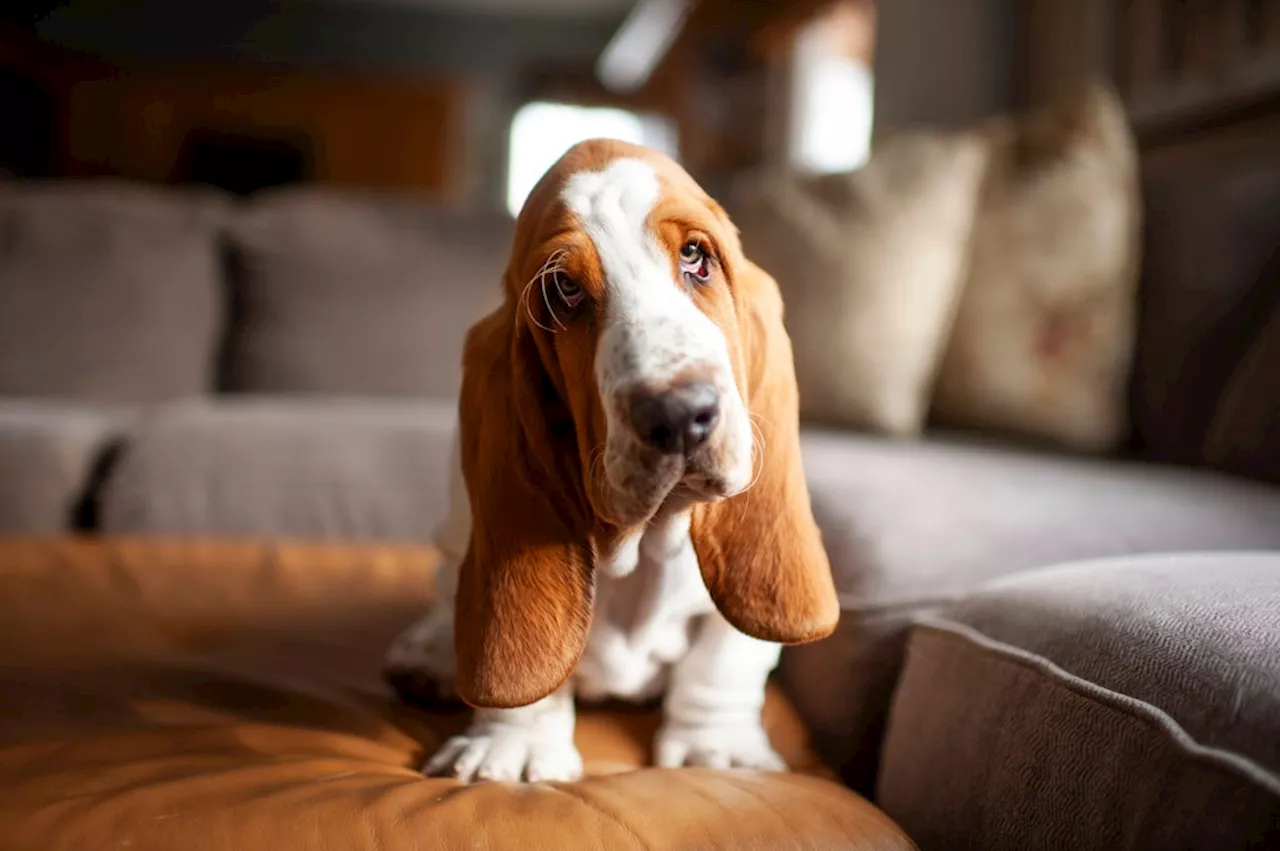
(629,515)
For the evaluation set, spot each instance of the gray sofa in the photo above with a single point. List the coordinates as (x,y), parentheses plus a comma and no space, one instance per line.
(1018,624)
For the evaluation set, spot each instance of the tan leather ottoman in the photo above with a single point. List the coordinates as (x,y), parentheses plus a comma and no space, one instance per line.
(194,696)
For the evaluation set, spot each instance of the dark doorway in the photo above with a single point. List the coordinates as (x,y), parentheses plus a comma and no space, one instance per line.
(26,142)
(241,164)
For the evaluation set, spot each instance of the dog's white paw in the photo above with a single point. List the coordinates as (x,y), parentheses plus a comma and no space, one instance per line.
(716,747)
(506,752)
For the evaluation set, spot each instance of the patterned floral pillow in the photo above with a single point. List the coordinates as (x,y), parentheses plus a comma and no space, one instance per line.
(1042,343)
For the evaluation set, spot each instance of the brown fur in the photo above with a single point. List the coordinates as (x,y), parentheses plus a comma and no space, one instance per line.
(531,419)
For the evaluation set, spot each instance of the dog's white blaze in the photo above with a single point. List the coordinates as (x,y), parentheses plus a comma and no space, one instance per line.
(652,329)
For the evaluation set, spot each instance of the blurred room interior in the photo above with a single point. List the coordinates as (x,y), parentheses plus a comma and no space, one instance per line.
(427,96)
(432,95)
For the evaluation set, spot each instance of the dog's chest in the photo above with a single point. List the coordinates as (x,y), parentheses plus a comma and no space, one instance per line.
(644,621)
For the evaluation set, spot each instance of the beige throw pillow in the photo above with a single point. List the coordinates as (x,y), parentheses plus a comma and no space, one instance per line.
(870,266)
(1043,340)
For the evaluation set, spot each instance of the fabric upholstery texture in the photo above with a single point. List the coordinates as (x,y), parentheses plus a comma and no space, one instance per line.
(1043,340)
(1119,704)
(109,292)
(350,294)
(1210,279)
(48,453)
(911,526)
(870,266)
(305,469)
(193,696)
(1244,436)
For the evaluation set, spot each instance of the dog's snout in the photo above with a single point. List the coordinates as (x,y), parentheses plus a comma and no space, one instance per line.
(678,420)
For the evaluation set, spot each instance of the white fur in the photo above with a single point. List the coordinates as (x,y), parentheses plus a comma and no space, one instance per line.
(655,629)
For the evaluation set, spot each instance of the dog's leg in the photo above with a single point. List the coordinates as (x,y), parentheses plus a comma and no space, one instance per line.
(711,716)
(532,743)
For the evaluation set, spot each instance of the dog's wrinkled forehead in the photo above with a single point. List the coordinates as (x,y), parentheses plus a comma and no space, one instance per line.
(617,198)
(607,190)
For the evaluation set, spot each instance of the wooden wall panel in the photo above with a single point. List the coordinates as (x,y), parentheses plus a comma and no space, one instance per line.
(361,132)
(1181,65)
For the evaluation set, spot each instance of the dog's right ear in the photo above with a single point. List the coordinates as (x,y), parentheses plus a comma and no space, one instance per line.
(526,585)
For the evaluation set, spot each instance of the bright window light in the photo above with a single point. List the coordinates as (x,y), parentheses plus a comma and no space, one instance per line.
(833,106)
(541,132)
(640,43)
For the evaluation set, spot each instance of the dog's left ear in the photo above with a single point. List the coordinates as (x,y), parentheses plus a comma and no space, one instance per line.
(760,552)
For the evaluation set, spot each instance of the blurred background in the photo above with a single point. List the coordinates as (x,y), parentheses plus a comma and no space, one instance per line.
(464,100)
(452,97)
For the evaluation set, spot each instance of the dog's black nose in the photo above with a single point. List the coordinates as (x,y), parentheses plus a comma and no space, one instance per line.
(678,420)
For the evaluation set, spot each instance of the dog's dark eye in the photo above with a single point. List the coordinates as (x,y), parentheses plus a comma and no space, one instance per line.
(570,293)
(694,263)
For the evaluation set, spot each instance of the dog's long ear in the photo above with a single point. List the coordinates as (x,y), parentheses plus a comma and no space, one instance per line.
(526,586)
(761,553)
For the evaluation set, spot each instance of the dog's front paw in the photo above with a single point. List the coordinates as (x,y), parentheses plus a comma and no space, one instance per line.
(506,753)
(716,747)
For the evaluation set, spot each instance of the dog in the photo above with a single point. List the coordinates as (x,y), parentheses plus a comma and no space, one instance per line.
(629,516)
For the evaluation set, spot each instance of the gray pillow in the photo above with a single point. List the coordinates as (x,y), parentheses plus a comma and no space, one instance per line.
(348,294)
(109,292)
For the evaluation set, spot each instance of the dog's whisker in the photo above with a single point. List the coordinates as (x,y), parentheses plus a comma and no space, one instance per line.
(597,481)
(758,446)
(553,272)
(528,306)
(758,449)
(552,265)
(594,458)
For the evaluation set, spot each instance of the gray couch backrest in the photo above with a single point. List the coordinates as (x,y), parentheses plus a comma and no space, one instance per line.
(356,294)
(118,293)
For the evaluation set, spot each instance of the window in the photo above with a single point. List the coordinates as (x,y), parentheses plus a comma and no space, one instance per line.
(832,91)
(541,132)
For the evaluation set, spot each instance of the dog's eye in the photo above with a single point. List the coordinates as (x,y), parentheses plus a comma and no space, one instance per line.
(570,293)
(694,263)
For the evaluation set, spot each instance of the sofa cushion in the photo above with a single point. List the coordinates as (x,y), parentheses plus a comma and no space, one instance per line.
(1043,339)
(210,697)
(348,294)
(870,265)
(1129,703)
(911,526)
(305,469)
(49,454)
(109,292)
